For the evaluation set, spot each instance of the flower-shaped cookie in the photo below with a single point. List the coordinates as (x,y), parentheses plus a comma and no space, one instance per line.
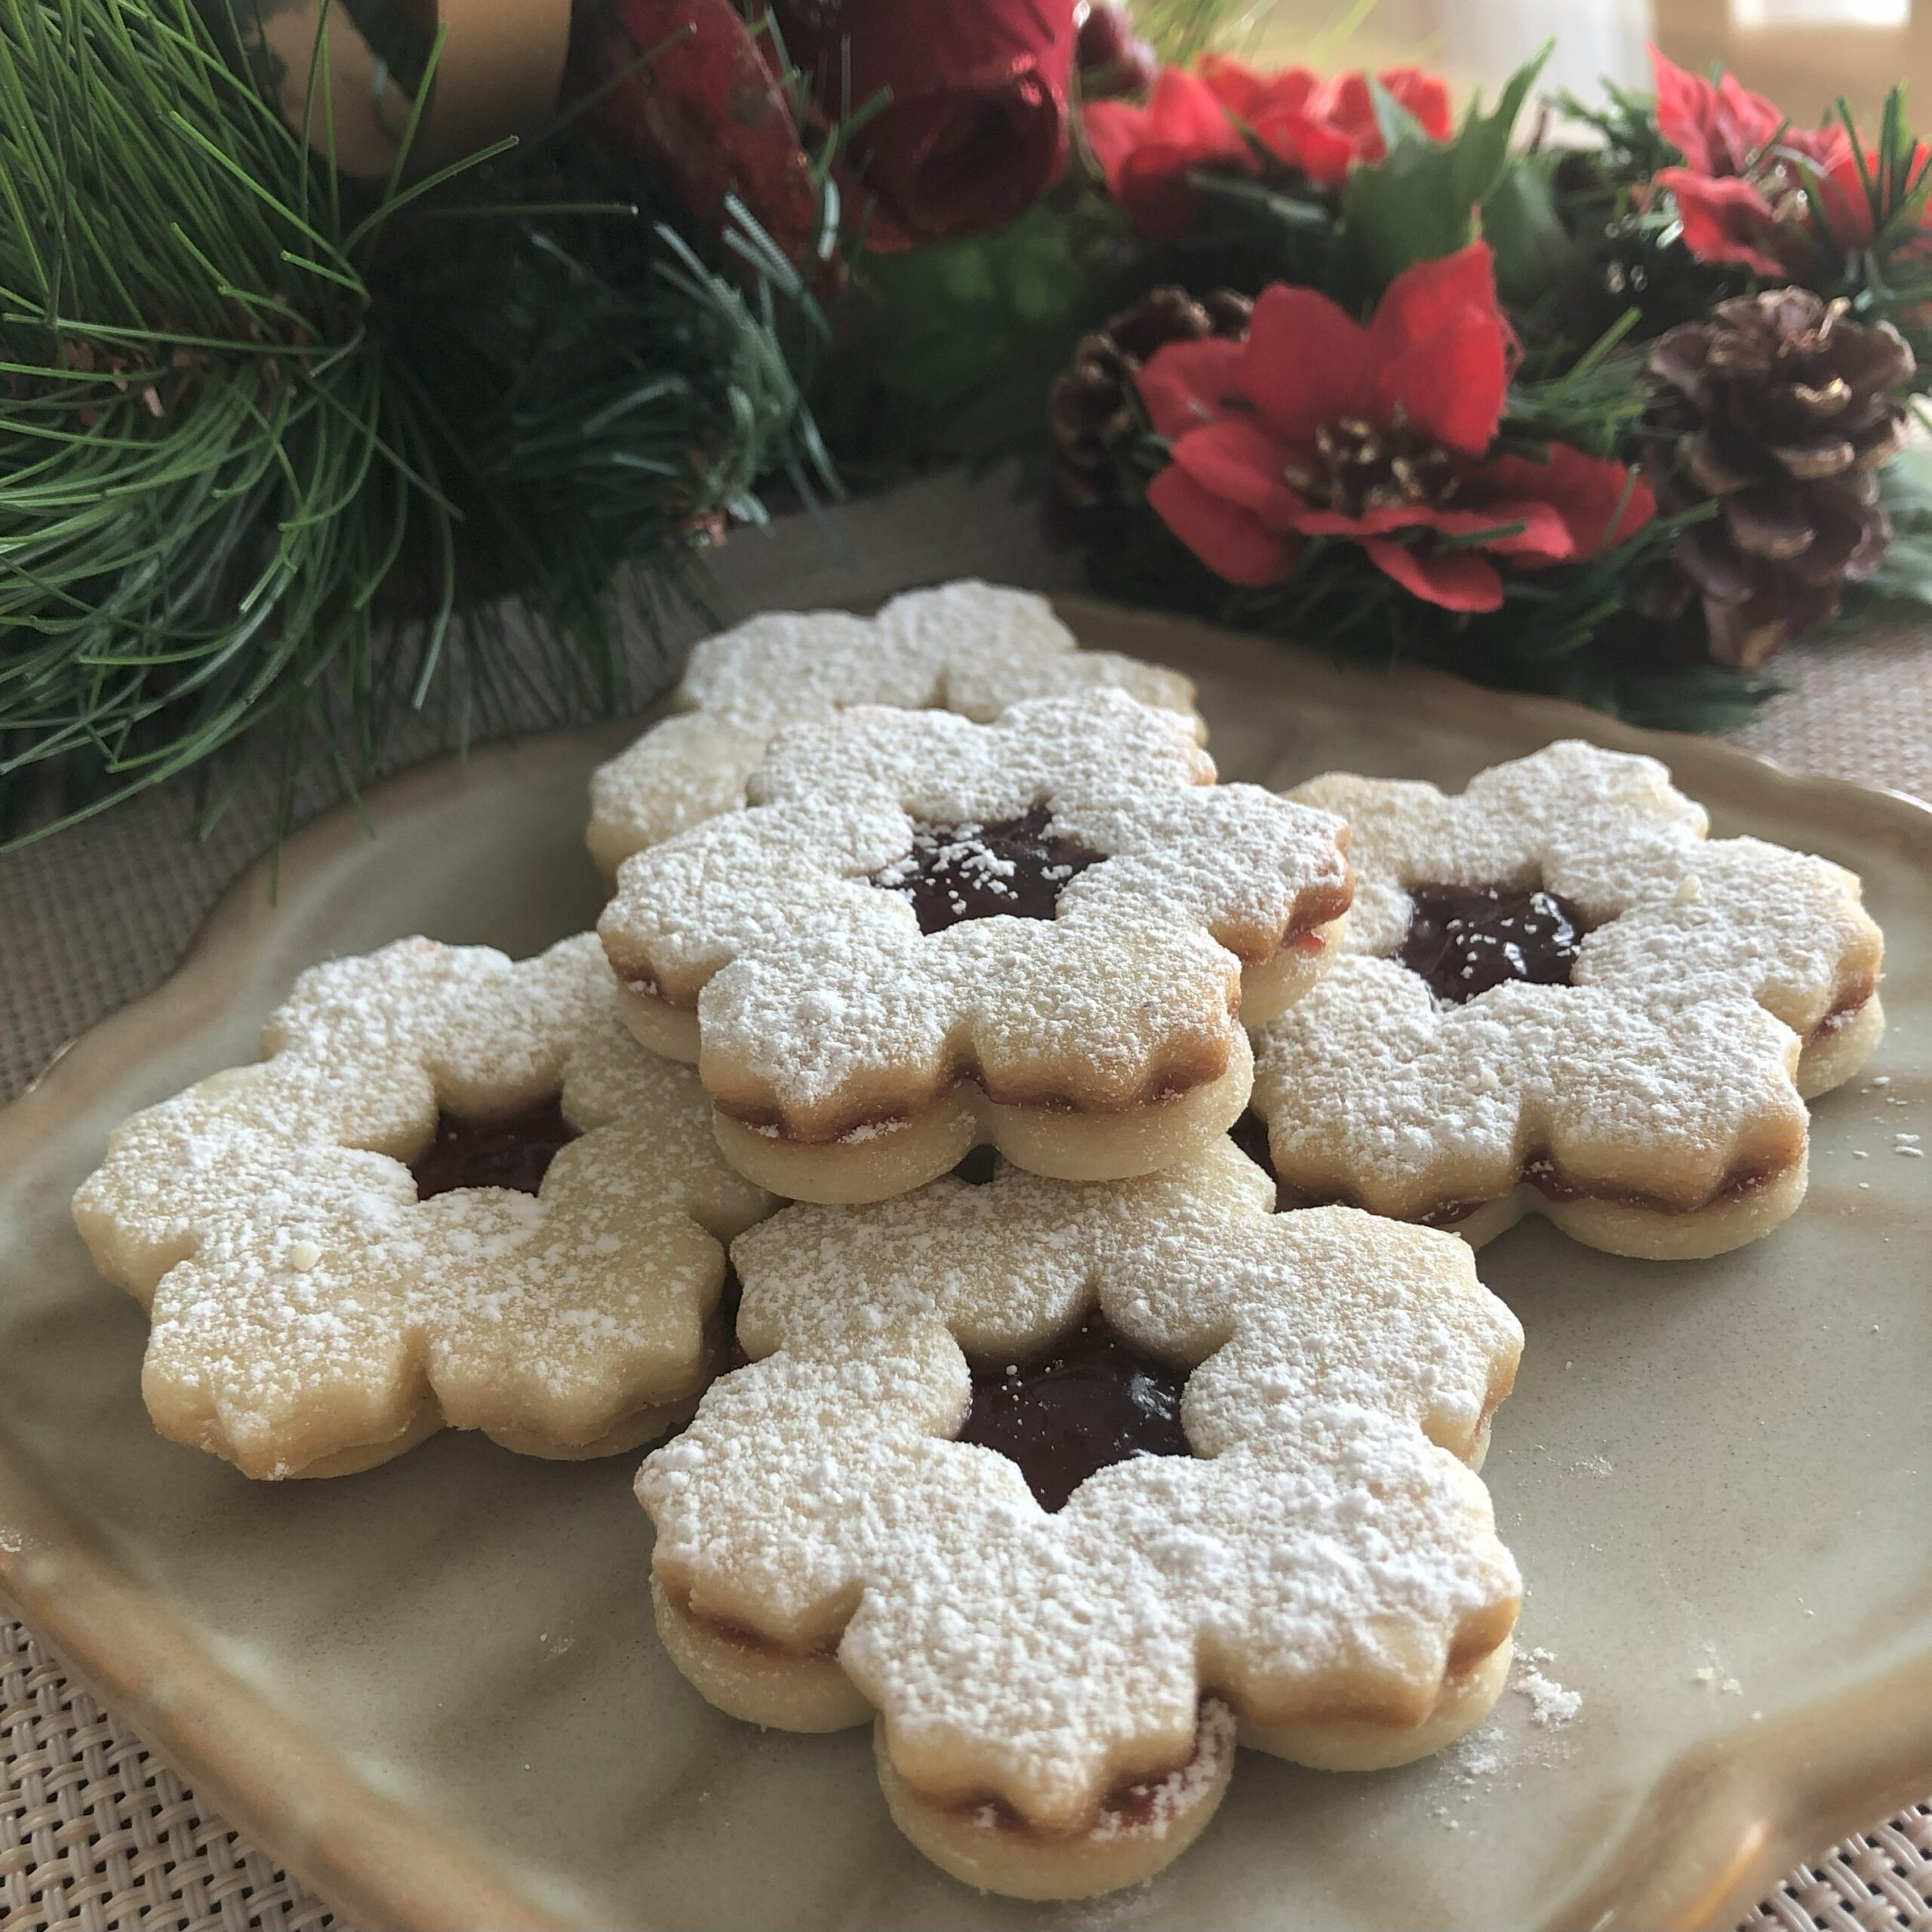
(548,1273)
(1556,993)
(925,932)
(967,647)
(1062,1481)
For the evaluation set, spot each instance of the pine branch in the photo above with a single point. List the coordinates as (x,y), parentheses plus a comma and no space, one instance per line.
(254,420)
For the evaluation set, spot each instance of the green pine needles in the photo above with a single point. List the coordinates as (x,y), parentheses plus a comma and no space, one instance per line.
(273,442)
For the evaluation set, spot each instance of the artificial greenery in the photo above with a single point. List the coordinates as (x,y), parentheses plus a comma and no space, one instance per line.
(272,439)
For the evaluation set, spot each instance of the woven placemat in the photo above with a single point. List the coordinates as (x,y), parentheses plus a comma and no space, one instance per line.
(94,1831)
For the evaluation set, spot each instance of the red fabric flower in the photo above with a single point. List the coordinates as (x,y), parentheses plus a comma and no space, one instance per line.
(975,131)
(1147,153)
(1225,116)
(705,116)
(1323,127)
(1734,188)
(1317,426)
(1846,203)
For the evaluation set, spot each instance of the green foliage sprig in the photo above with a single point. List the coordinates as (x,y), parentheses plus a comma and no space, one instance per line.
(270,438)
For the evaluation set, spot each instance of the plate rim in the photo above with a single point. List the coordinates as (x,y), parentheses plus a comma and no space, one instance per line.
(1710,1838)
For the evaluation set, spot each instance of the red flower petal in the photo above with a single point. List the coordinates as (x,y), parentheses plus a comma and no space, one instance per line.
(1308,361)
(1423,297)
(1457,579)
(1686,111)
(1185,384)
(1378,522)
(1599,500)
(1545,533)
(1231,542)
(1425,97)
(1322,128)
(1451,383)
(1146,153)
(1238,87)
(1237,459)
(1323,151)
(1724,219)
(1746,124)
(974,128)
(1545,537)
(1847,208)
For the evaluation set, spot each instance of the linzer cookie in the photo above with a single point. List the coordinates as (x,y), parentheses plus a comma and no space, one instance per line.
(457,1192)
(1556,994)
(924,933)
(1068,1486)
(967,647)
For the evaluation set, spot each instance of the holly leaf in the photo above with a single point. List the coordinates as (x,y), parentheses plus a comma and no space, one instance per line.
(1535,254)
(1420,201)
(968,335)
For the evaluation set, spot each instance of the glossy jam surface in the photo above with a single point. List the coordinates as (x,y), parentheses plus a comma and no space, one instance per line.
(1463,939)
(1014,867)
(515,1152)
(1092,1401)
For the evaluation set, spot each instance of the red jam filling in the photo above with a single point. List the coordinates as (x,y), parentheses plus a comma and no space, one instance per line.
(1464,939)
(1094,1400)
(513,1153)
(1013,868)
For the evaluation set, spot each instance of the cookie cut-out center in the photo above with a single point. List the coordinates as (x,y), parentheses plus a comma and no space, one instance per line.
(1013,868)
(1092,1400)
(515,1153)
(1463,939)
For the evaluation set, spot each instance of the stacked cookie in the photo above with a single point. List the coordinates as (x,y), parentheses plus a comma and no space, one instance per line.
(1152,1424)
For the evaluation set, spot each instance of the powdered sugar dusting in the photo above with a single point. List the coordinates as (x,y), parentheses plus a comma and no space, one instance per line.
(1551,1705)
(1667,1068)
(1525,1733)
(969,647)
(305,1303)
(1320,1547)
(816,992)
(1154,1808)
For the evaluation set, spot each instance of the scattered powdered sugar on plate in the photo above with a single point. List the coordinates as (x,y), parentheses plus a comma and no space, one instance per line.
(1514,1738)
(1551,1705)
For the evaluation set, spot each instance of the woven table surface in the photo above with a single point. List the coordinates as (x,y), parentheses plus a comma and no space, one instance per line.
(94,1831)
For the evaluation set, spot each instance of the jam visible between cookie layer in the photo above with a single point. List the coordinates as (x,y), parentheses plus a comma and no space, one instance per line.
(1138,1803)
(1014,867)
(515,1153)
(1094,1400)
(1463,939)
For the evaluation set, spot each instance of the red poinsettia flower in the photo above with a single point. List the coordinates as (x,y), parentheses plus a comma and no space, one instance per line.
(1317,426)
(1323,127)
(1147,153)
(1736,189)
(1226,117)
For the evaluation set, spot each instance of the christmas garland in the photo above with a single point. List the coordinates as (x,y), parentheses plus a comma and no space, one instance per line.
(1611,407)
(275,441)
(330,330)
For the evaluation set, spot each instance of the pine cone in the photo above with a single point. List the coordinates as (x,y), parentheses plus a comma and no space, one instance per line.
(1779,406)
(1091,425)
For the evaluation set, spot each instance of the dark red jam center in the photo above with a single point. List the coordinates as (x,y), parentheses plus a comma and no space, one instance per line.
(1250,1133)
(1463,939)
(956,872)
(1095,1400)
(515,1153)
